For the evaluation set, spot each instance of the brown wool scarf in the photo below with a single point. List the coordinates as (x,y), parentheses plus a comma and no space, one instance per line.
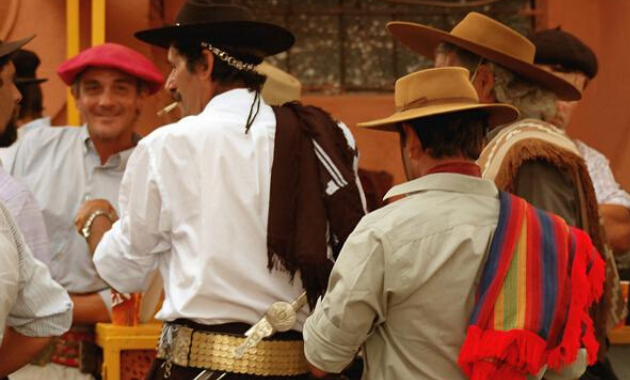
(315,201)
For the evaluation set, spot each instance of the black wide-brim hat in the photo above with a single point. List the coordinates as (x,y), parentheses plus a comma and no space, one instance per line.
(221,24)
(26,63)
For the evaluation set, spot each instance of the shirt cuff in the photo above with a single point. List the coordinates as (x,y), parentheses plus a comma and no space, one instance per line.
(326,346)
(106,295)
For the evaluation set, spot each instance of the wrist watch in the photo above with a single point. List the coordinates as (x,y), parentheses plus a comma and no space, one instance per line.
(87,227)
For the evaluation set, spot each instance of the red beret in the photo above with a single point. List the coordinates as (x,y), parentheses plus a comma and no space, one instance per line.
(113,56)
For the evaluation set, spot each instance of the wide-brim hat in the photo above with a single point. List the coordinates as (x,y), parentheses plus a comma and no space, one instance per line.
(26,63)
(9,47)
(439,91)
(280,86)
(116,57)
(489,39)
(221,24)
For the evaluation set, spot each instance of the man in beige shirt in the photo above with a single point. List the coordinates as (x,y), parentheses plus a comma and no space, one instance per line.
(404,285)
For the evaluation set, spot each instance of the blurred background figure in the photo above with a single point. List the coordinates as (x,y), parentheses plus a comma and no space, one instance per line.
(566,56)
(31,108)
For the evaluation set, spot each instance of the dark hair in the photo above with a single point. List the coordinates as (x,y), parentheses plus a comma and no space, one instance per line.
(223,73)
(452,134)
(32,100)
(3,62)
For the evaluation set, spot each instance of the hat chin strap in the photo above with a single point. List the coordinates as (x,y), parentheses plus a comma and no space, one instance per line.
(225,57)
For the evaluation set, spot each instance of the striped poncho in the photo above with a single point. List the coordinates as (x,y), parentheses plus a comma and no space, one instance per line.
(532,306)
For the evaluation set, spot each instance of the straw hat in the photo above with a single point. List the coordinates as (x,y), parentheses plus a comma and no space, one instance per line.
(280,86)
(439,91)
(489,39)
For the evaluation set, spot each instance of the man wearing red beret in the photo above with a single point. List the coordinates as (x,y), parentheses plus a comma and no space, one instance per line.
(75,173)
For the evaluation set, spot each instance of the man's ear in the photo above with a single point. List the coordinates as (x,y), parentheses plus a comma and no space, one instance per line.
(484,84)
(205,71)
(413,145)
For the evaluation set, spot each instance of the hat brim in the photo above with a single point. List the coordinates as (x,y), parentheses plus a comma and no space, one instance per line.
(7,48)
(497,113)
(264,39)
(425,39)
(27,81)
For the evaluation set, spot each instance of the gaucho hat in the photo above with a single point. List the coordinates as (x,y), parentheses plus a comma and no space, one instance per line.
(487,38)
(223,24)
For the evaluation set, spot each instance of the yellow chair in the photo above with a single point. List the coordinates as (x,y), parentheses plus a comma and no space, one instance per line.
(114,339)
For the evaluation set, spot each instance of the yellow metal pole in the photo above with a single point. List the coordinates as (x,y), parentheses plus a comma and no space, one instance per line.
(98,22)
(72,48)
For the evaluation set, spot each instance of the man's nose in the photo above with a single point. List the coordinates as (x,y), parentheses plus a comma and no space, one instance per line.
(169,85)
(17,95)
(105,99)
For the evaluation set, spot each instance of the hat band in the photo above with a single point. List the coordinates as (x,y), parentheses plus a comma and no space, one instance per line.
(231,61)
(424,102)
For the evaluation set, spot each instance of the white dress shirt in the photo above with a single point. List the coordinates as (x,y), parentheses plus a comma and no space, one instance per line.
(194,202)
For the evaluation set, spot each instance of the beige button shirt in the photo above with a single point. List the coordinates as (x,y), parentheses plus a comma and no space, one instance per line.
(405,281)
(403,287)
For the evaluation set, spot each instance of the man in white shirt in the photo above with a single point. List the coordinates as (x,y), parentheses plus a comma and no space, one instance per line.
(197,198)
(33,308)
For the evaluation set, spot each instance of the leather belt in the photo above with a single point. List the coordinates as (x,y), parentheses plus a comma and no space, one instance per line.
(187,347)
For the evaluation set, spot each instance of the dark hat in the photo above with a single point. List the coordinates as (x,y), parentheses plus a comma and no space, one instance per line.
(556,47)
(7,48)
(26,63)
(223,24)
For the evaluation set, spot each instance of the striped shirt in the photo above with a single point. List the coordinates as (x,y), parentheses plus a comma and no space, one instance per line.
(30,301)
(607,190)
(27,214)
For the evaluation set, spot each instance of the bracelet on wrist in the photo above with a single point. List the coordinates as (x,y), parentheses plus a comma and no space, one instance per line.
(87,227)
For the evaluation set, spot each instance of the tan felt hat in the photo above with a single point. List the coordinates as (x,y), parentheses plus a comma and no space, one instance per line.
(280,86)
(439,91)
(489,39)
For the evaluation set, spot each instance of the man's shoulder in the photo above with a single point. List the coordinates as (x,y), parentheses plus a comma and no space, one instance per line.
(41,137)
(167,132)
(419,215)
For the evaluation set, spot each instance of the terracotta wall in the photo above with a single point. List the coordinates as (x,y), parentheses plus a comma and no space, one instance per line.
(602,120)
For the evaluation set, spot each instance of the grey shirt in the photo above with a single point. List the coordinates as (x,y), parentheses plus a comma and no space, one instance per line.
(62,168)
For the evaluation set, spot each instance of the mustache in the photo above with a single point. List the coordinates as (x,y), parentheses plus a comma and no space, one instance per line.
(176,96)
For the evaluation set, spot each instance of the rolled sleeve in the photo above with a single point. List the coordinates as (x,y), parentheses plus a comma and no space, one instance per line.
(127,254)
(353,305)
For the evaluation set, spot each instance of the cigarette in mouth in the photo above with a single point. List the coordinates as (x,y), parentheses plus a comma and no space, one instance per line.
(167,109)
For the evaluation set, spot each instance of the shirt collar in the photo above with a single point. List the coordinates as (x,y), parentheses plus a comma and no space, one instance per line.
(241,98)
(118,160)
(456,183)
